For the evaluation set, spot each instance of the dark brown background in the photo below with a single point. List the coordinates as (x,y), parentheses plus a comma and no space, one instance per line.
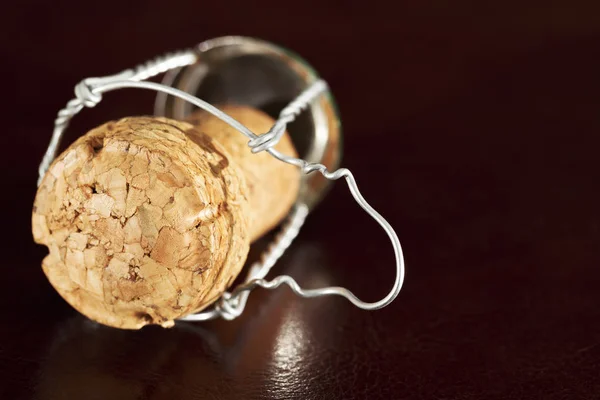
(485,117)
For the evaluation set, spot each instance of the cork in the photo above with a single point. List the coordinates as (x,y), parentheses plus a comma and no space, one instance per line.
(273,186)
(149,219)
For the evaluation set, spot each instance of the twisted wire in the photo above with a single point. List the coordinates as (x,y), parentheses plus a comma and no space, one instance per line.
(85,96)
(287,115)
(89,92)
(163,64)
(231,305)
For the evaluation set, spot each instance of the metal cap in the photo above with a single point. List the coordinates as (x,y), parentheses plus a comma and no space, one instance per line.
(247,71)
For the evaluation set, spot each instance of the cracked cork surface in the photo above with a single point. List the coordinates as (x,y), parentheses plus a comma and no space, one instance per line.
(142,224)
(149,219)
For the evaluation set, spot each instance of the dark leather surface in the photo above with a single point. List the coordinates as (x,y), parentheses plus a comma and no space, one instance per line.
(484,118)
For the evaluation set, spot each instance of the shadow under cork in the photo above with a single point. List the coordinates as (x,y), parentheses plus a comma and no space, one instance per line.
(215,359)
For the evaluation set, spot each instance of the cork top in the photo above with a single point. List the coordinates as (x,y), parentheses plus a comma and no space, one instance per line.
(143,225)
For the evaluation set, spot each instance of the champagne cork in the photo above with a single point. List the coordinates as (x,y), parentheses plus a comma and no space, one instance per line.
(273,186)
(149,219)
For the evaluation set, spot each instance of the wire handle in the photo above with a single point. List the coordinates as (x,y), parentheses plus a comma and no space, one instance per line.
(88,93)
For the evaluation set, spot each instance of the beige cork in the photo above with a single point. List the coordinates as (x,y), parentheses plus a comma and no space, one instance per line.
(273,185)
(146,220)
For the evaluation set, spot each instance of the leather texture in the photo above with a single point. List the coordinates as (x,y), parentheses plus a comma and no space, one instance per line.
(472,126)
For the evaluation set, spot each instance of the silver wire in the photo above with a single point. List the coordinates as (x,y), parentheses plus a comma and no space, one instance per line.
(231,304)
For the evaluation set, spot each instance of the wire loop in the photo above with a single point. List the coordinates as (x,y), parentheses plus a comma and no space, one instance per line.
(88,93)
(84,94)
